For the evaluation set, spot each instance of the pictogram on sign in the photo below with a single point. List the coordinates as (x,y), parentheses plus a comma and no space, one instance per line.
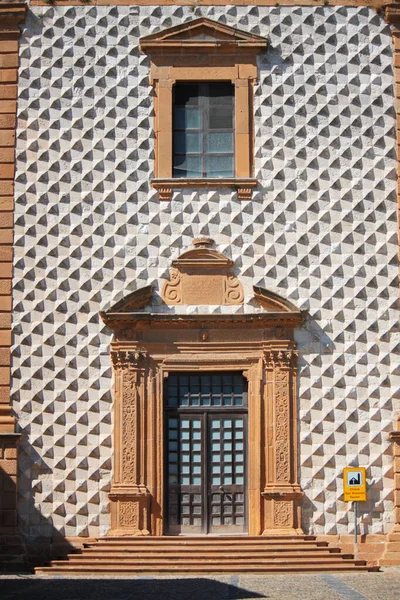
(355,484)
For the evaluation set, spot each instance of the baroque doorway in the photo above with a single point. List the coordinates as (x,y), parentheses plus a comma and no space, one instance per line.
(206,451)
(190,389)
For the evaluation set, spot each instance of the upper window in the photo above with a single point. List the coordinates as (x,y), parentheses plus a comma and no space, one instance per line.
(203,74)
(203,119)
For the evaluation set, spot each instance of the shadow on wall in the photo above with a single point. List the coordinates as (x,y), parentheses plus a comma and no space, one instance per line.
(21,553)
(336,430)
(120,589)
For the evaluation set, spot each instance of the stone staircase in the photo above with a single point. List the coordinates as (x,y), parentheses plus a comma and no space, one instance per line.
(205,556)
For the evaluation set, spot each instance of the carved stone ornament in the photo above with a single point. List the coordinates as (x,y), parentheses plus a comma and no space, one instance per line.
(202,276)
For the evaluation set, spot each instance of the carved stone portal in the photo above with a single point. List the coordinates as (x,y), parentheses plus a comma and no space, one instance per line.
(202,276)
(147,347)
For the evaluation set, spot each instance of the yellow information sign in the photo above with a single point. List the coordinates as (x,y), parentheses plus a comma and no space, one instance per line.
(355,484)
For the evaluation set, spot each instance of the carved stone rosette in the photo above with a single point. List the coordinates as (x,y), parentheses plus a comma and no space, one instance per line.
(281,493)
(129,495)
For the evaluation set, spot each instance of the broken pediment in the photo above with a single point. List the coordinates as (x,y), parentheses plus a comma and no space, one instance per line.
(273,302)
(202,276)
(135,301)
(201,34)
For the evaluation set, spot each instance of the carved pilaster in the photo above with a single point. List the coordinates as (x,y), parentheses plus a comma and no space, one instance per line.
(129,495)
(282,492)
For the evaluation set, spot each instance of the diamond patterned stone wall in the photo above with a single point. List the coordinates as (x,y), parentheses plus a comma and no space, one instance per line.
(320,230)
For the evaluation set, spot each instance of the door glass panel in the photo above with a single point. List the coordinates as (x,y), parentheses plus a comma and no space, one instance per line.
(228,389)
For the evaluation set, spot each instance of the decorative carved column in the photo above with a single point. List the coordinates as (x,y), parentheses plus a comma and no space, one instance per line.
(282,492)
(129,495)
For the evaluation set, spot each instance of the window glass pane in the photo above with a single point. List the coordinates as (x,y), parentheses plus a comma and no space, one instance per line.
(187,94)
(188,142)
(219,166)
(186,118)
(220,142)
(221,93)
(187,166)
(221,117)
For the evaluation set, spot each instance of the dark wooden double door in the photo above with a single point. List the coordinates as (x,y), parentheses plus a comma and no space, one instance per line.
(206,431)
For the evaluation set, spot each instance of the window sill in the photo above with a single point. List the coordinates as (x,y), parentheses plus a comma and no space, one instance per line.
(166,186)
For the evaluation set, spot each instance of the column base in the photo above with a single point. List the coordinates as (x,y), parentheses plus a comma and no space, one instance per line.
(129,511)
(282,513)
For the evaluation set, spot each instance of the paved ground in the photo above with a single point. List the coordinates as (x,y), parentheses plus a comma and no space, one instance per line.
(362,586)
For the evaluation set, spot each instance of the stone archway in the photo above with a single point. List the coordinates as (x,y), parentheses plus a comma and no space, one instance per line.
(148,346)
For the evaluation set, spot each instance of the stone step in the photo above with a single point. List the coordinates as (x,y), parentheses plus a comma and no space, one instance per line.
(173,551)
(199,539)
(227,569)
(202,543)
(212,560)
(180,555)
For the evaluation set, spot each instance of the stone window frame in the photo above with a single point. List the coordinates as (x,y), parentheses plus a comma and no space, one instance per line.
(203,50)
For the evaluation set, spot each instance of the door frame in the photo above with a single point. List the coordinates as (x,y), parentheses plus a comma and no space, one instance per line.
(203,414)
(148,346)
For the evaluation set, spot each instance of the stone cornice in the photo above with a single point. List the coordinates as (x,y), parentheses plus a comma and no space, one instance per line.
(194,321)
(394,436)
(374,4)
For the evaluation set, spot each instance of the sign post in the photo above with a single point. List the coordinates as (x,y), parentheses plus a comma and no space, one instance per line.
(355,490)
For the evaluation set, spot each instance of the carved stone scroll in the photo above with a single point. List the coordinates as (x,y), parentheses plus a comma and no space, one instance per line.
(202,277)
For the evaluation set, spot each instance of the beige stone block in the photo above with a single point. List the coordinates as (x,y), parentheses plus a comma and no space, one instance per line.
(9,46)
(9,466)
(5,273)
(7,137)
(8,92)
(248,71)
(7,121)
(7,155)
(242,158)
(8,75)
(6,220)
(5,286)
(6,187)
(8,106)
(394,547)
(6,203)
(5,340)
(5,318)
(7,424)
(4,357)
(7,61)
(4,394)
(7,170)
(6,253)
(11,453)
(5,303)
(6,236)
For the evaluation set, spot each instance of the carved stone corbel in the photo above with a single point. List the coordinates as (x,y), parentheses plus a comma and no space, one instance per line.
(282,492)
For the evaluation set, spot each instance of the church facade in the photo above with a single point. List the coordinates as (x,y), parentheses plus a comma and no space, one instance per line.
(199,272)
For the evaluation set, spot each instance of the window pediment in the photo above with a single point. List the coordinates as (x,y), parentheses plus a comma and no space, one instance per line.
(199,35)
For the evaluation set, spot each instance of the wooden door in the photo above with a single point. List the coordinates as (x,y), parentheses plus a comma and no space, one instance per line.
(205,470)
